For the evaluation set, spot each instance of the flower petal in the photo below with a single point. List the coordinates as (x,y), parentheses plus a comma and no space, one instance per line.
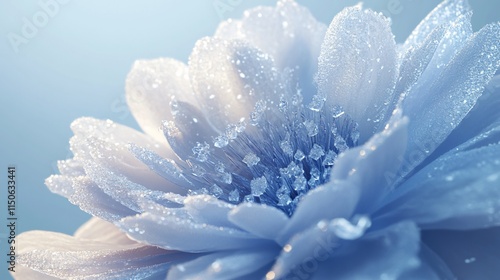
(459,191)
(100,230)
(84,193)
(341,198)
(229,77)
(387,254)
(64,256)
(287,32)
(210,210)
(468,254)
(184,235)
(151,86)
(259,219)
(373,167)
(358,66)
(436,108)
(447,11)
(223,265)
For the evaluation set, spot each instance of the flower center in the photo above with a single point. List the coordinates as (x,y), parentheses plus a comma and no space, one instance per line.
(286,149)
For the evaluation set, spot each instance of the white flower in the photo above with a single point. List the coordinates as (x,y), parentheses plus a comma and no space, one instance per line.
(286,149)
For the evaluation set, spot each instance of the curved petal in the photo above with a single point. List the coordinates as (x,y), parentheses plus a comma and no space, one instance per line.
(459,191)
(151,86)
(357,67)
(468,254)
(336,199)
(447,11)
(374,166)
(185,235)
(224,265)
(229,77)
(64,256)
(208,209)
(436,108)
(84,193)
(288,32)
(259,219)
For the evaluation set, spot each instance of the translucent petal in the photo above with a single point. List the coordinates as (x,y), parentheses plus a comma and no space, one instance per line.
(447,11)
(229,77)
(357,67)
(259,219)
(151,86)
(66,257)
(436,108)
(468,254)
(224,265)
(457,191)
(287,32)
(185,235)
(100,230)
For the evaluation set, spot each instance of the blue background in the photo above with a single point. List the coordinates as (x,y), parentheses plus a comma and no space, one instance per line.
(76,64)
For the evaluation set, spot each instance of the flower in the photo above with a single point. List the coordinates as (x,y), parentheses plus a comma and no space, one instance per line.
(292,150)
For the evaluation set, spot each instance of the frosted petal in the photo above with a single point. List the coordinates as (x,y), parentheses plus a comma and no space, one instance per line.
(357,67)
(338,200)
(447,11)
(185,235)
(229,77)
(66,257)
(457,191)
(436,108)
(288,32)
(224,265)
(151,86)
(106,144)
(259,219)
(84,193)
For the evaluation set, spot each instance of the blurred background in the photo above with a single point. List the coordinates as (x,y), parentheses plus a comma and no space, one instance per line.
(74,62)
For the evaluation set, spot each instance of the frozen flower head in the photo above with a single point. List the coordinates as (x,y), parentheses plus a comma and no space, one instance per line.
(287,149)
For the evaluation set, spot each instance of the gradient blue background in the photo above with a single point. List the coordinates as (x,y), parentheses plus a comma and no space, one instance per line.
(76,66)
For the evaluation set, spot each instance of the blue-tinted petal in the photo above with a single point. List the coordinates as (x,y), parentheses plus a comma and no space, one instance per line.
(224,265)
(357,67)
(373,167)
(174,233)
(259,219)
(336,199)
(457,191)
(436,108)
